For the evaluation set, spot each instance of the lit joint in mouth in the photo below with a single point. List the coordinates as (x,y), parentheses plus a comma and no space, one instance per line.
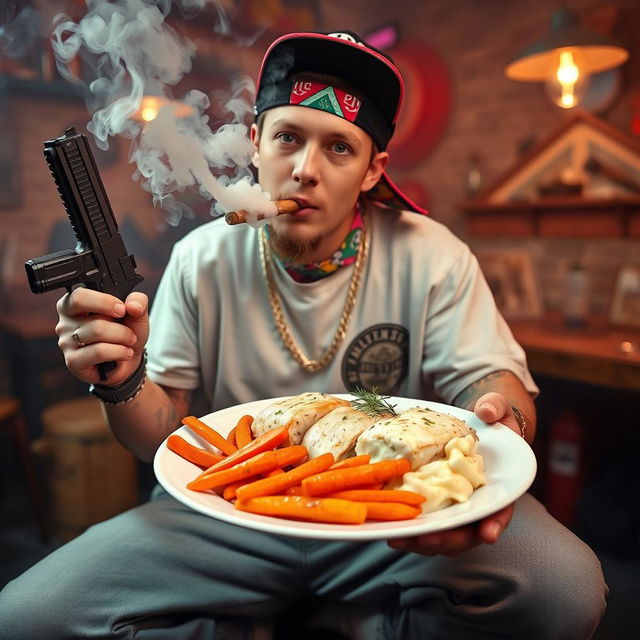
(282,207)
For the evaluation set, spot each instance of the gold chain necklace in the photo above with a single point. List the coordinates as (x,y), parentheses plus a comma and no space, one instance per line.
(278,314)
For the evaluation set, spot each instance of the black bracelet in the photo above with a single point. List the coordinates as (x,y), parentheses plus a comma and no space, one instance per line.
(126,391)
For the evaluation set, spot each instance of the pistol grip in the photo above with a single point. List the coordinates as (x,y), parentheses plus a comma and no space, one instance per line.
(104,368)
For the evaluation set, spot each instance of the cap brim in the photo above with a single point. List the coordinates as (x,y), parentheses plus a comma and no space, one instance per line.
(388,194)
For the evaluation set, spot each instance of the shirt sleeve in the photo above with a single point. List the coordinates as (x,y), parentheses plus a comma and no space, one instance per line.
(466,337)
(172,349)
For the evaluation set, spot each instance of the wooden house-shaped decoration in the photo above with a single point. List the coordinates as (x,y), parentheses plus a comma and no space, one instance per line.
(584,181)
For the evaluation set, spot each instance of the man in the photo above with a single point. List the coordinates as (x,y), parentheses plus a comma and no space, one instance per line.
(348,291)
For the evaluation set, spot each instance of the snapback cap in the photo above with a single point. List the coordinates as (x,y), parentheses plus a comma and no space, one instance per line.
(343,55)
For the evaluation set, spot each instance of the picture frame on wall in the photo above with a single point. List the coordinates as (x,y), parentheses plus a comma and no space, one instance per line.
(625,300)
(512,278)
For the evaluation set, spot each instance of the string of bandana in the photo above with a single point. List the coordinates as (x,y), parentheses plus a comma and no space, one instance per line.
(344,256)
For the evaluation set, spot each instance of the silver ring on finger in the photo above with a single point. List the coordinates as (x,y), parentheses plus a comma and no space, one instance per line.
(76,339)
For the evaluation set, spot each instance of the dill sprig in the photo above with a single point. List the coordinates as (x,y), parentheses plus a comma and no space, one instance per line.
(372,402)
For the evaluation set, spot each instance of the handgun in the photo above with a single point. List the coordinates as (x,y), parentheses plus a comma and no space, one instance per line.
(100,259)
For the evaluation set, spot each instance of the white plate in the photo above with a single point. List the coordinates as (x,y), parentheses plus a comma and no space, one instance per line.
(509,463)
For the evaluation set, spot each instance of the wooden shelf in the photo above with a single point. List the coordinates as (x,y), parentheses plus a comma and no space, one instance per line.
(559,217)
(590,354)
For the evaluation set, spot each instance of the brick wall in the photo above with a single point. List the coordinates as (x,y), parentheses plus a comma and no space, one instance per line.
(491,117)
(494,118)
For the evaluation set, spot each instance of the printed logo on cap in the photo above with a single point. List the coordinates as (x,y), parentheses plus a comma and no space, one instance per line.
(326,98)
(346,36)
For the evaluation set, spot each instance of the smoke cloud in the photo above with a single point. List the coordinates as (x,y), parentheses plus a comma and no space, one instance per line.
(19,29)
(135,53)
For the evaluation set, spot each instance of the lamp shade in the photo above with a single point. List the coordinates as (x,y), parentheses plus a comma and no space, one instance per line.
(597,52)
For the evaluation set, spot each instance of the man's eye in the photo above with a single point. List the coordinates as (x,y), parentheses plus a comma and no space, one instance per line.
(287,138)
(341,147)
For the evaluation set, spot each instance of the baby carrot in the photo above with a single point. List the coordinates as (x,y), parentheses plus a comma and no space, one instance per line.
(307,508)
(209,434)
(231,437)
(261,463)
(201,457)
(244,435)
(355,461)
(290,455)
(383,495)
(390,510)
(278,471)
(229,492)
(340,479)
(276,484)
(268,440)
(298,491)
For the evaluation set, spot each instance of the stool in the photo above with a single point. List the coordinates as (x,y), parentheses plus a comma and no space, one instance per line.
(12,421)
(91,476)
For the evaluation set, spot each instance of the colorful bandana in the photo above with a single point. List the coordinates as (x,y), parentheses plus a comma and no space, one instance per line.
(326,98)
(344,256)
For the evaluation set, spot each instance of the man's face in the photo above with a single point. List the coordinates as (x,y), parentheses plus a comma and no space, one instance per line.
(323,162)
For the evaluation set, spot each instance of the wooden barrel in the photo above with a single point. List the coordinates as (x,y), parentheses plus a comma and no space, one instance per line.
(90,475)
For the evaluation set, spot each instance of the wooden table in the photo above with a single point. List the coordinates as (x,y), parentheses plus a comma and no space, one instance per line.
(593,354)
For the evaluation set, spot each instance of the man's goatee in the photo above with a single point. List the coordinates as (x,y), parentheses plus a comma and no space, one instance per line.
(293,251)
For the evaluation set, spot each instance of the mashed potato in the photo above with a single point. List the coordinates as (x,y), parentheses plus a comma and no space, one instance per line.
(449,480)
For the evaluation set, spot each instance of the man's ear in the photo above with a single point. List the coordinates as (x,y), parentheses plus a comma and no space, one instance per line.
(255,140)
(375,170)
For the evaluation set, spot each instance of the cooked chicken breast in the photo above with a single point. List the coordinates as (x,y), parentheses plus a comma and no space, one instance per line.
(337,432)
(297,413)
(418,434)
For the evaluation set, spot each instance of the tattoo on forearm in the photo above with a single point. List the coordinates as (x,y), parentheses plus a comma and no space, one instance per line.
(165,416)
(467,398)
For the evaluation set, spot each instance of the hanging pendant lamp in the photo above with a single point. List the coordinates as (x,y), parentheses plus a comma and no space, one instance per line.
(597,51)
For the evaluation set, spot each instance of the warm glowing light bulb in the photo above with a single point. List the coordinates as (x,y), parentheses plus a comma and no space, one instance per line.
(567,74)
(149,109)
(567,84)
(149,114)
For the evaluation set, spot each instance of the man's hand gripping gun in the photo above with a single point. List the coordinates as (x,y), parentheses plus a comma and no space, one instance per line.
(100,260)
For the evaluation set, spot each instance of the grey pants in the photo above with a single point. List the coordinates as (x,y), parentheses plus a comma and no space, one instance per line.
(163,571)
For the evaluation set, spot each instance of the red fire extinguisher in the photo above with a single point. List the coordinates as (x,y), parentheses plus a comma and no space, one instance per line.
(565,467)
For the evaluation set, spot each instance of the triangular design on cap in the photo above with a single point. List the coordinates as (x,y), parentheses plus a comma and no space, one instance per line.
(325,100)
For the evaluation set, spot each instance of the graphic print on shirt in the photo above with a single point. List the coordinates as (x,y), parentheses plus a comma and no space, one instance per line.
(377,357)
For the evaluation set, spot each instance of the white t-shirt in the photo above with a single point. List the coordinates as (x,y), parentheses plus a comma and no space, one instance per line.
(424,325)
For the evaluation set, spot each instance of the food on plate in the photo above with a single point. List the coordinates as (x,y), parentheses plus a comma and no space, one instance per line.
(277,484)
(257,465)
(297,414)
(337,432)
(190,452)
(355,461)
(419,434)
(209,435)
(362,475)
(242,431)
(330,510)
(380,495)
(320,458)
(266,442)
(449,480)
